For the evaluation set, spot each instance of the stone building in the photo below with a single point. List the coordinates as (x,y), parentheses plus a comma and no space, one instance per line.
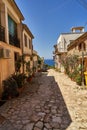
(60,48)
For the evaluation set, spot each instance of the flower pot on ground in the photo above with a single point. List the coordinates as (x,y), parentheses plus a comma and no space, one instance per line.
(20,90)
(29,78)
(33,75)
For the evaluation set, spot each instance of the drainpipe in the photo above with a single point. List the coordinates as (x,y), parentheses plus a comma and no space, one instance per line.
(82,66)
(22,46)
(0,13)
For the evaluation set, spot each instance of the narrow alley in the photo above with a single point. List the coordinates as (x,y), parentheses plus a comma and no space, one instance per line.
(50,102)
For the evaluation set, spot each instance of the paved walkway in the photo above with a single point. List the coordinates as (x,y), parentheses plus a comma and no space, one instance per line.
(51,102)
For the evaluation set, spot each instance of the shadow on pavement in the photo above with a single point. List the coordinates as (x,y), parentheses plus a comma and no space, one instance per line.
(41,106)
(60,117)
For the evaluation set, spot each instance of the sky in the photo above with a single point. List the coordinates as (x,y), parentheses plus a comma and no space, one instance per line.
(47,19)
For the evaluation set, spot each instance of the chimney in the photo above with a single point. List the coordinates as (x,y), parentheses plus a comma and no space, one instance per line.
(77,29)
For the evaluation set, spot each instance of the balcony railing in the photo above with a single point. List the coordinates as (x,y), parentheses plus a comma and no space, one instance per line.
(56,51)
(2,33)
(13,40)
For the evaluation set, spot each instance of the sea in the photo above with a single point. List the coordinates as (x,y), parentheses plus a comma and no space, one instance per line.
(49,62)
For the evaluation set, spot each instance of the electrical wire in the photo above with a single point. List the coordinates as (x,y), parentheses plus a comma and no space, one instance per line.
(82,3)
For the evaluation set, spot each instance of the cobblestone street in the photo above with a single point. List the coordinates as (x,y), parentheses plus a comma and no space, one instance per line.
(51,102)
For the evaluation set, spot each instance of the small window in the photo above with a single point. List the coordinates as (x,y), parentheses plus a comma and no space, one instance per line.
(25,40)
(29,44)
(81,47)
(84,46)
(12,26)
(32,47)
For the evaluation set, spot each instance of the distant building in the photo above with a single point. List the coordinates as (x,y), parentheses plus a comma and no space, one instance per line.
(79,47)
(60,48)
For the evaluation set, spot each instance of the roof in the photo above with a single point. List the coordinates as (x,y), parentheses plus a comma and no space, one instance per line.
(14,5)
(28,30)
(68,37)
(80,28)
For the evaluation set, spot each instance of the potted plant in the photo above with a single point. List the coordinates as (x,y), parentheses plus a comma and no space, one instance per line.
(34,70)
(29,78)
(28,71)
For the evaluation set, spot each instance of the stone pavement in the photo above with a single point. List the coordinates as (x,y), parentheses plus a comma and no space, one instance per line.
(75,98)
(51,102)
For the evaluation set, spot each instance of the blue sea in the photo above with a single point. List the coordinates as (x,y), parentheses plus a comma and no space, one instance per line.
(49,62)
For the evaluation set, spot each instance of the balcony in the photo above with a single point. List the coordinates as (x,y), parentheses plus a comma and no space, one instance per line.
(13,40)
(27,51)
(34,52)
(56,51)
(2,33)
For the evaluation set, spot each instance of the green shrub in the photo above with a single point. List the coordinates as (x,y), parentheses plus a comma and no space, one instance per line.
(19,78)
(11,85)
(79,79)
(10,89)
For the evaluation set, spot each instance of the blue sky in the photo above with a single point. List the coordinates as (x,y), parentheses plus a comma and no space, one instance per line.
(47,19)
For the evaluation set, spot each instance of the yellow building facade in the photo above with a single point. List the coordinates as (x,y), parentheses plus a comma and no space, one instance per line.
(15,41)
(10,38)
(27,46)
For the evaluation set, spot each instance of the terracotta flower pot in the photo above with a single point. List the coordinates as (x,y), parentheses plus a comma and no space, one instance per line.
(29,79)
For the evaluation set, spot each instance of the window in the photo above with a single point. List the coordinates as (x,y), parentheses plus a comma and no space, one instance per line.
(12,26)
(29,44)
(32,47)
(81,47)
(25,40)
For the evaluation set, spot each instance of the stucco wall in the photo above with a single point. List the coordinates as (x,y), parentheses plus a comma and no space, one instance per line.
(7,66)
(26,50)
(11,11)
(7,9)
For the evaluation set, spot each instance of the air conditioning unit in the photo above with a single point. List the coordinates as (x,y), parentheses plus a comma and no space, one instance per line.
(4,53)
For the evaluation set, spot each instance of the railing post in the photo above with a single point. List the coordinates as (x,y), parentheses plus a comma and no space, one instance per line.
(2,33)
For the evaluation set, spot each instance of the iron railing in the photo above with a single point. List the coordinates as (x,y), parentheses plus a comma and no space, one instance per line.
(2,33)
(13,40)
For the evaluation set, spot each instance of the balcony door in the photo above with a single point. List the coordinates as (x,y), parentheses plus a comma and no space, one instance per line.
(12,27)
